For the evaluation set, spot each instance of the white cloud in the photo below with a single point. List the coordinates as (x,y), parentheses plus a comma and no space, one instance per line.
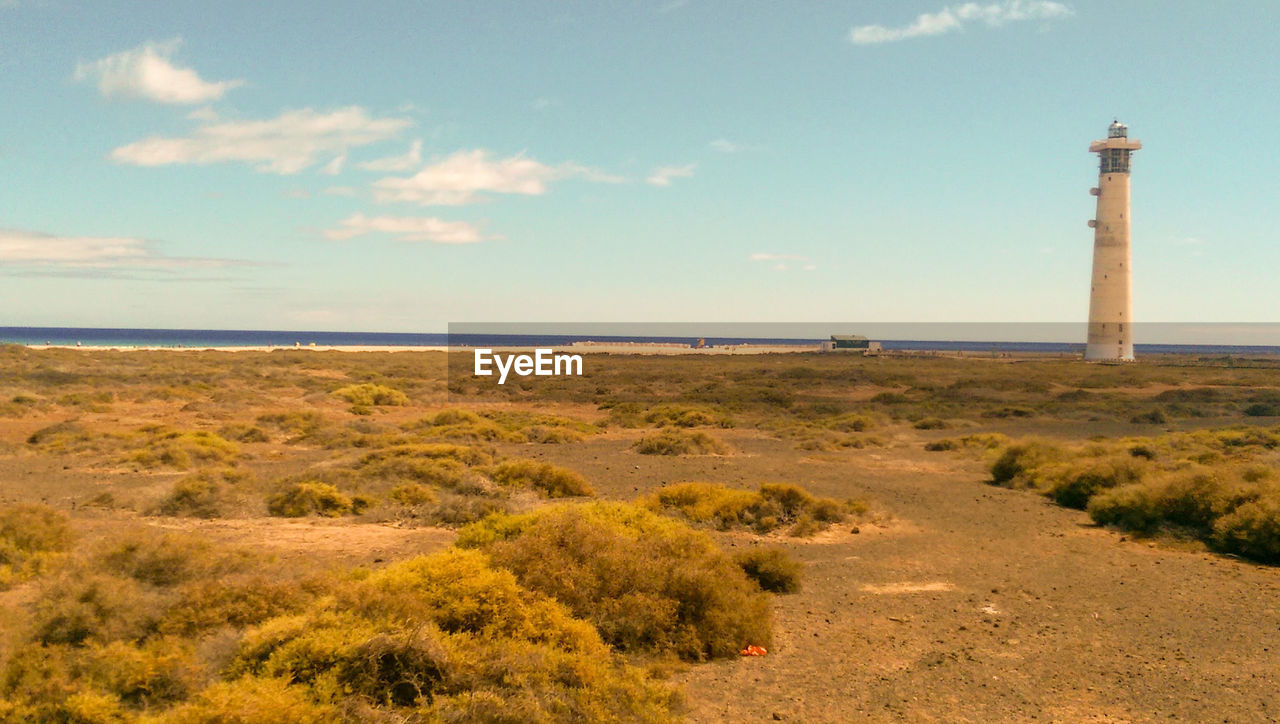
(147,71)
(35,249)
(334,167)
(407,228)
(340,191)
(662,175)
(297,194)
(464,176)
(285,144)
(724,145)
(406,162)
(954,17)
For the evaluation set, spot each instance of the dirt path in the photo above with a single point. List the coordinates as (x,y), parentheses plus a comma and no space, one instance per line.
(984,604)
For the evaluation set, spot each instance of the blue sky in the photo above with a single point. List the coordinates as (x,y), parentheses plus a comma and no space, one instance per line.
(399,165)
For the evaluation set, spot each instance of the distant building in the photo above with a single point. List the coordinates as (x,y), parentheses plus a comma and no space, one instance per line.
(1111,292)
(851,343)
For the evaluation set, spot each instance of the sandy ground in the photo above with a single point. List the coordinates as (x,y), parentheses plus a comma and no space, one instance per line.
(979,604)
(962,602)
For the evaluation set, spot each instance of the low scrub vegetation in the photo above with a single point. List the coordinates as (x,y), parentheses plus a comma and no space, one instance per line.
(774,506)
(371,395)
(306,498)
(206,494)
(181,449)
(33,539)
(771,568)
(168,628)
(648,583)
(681,442)
(550,480)
(1216,485)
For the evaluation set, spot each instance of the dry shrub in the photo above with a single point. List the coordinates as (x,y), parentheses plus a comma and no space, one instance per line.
(1018,461)
(33,539)
(205,494)
(1251,530)
(550,480)
(296,425)
(773,569)
(675,415)
(240,432)
(680,442)
(648,583)
(448,638)
(462,425)
(235,601)
(252,700)
(771,507)
(182,449)
(930,423)
(167,559)
(412,494)
(1073,483)
(370,395)
(438,465)
(85,606)
(305,498)
(62,437)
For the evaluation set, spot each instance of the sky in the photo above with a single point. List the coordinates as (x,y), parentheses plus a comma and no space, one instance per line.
(397,166)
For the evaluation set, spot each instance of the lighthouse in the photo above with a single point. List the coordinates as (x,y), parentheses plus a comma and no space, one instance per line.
(1111,293)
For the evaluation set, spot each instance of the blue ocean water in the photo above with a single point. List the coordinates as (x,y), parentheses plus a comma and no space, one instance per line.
(177,338)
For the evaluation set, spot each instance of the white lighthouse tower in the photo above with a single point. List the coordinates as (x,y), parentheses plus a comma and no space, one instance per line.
(1111,295)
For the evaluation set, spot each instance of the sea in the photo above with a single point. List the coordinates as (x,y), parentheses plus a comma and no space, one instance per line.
(202,338)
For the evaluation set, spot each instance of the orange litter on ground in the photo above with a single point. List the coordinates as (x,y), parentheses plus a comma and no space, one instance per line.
(753,650)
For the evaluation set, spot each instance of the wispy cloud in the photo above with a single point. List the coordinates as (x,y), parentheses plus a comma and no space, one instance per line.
(724,145)
(334,167)
(463,178)
(148,72)
(407,228)
(339,191)
(286,144)
(782,262)
(955,17)
(51,254)
(663,175)
(410,160)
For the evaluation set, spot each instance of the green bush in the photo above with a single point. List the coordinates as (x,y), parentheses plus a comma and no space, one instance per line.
(33,538)
(773,569)
(679,442)
(552,481)
(648,583)
(302,499)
